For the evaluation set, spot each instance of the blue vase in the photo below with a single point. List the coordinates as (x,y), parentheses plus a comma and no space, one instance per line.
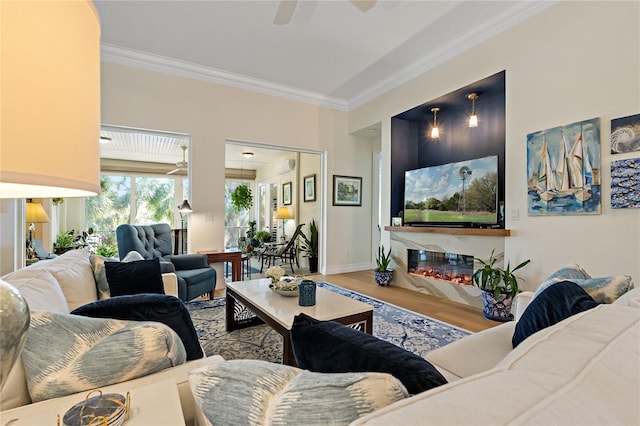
(307,293)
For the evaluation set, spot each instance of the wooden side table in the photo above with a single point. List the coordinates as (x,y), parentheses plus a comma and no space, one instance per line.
(219,256)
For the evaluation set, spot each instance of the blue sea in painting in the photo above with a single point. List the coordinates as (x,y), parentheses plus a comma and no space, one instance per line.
(564,204)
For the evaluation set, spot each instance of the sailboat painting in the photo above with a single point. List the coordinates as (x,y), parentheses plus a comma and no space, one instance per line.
(563,170)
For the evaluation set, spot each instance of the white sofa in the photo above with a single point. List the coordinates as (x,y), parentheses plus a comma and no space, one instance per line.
(63,284)
(583,370)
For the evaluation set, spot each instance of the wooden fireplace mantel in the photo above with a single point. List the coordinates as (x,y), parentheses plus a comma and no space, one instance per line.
(451,231)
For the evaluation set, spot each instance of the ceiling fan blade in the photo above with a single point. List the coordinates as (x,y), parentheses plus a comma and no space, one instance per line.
(284,14)
(363,5)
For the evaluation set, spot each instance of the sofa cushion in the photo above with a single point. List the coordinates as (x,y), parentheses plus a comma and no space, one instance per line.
(65,354)
(630,298)
(73,272)
(330,347)
(142,276)
(603,290)
(39,288)
(243,392)
(583,370)
(554,304)
(162,308)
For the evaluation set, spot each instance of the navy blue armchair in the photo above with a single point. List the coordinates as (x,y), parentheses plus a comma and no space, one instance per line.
(195,276)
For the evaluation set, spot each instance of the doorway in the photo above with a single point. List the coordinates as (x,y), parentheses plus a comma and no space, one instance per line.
(279,176)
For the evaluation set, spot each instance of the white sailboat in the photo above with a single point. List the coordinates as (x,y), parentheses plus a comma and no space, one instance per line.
(562,170)
(546,184)
(580,170)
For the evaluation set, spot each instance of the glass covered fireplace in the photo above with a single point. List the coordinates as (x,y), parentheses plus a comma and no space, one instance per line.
(450,267)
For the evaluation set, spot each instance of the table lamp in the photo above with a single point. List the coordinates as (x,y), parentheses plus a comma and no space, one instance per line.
(284,214)
(50,122)
(183,209)
(35,214)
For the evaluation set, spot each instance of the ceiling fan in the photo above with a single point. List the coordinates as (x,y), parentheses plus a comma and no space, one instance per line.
(181,165)
(286,8)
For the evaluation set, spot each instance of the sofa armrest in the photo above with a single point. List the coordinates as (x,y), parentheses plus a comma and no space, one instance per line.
(473,354)
(167,267)
(170,284)
(189,261)
(520,303)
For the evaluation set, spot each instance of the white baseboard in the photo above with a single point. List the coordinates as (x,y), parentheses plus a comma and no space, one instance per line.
(342,269)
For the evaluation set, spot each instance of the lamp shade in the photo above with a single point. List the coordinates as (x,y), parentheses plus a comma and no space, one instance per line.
(50,99)
(35,213)
(185,207)
(283,213)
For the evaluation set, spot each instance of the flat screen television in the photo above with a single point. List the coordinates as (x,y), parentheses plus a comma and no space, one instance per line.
(458,194)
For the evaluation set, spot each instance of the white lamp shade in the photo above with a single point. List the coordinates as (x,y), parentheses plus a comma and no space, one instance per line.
(473,120)
(50,99)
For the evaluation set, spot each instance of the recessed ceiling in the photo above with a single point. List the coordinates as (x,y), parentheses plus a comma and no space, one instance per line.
(330,53)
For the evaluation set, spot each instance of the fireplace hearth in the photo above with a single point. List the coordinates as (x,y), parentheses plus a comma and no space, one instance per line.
(454,268)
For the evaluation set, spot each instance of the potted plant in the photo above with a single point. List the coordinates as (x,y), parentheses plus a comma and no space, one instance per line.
(309,246)
(263,237)
(251,236)
(65,241)
(382,274)
(241,197)
(498,287)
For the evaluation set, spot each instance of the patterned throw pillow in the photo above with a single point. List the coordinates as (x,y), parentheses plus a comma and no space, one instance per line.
(602,290)
(97,265)
(65,354)
(251,392)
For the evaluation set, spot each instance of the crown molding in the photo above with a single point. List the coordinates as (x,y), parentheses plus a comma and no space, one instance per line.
(467,40)
(474,37)
(137,59)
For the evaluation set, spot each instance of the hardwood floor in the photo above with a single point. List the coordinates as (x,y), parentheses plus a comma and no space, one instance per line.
(459,314)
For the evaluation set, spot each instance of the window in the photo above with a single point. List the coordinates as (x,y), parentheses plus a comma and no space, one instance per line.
(151,199)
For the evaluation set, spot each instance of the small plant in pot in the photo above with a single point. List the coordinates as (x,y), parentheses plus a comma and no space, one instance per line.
(382,274)
(498,286)
(310,245)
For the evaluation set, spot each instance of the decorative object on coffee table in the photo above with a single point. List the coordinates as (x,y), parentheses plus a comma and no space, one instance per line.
(498,286)
(307,295)
(382,274)
(286,286)
(274,273)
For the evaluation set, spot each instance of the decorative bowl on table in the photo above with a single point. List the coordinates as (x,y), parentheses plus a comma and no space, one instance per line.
(287,286)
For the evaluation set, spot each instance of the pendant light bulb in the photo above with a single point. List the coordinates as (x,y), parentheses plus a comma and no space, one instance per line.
(473,118)
(435,132)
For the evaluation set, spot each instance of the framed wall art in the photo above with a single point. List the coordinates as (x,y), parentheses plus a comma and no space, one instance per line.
(625,191)
(347,191)
(309,188)
(625,134)
(563,169)
(286,194)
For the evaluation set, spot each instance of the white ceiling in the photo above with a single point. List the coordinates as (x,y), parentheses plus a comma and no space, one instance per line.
(331,53)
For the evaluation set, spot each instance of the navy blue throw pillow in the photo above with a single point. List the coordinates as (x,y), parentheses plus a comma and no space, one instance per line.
(163,308)
(330,347)
(140,276)
(556,303)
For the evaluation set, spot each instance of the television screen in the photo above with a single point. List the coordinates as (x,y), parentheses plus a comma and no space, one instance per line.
(463,193)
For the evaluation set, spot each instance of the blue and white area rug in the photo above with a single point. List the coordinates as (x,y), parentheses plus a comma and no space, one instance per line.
(414,332)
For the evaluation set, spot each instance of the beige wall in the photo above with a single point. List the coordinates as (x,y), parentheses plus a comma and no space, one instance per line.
(211,114)
(572,62)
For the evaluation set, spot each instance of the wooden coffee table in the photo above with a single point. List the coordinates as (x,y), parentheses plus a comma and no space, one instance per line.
(278,311)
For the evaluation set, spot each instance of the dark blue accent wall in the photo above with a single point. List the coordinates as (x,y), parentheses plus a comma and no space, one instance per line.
(412,146)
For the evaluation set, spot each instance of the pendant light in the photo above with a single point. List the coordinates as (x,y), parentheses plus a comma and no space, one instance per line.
(435,132)
(473,118)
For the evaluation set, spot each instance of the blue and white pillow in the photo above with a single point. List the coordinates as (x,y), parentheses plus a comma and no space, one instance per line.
(65,354)
(602,290)
(251,392)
